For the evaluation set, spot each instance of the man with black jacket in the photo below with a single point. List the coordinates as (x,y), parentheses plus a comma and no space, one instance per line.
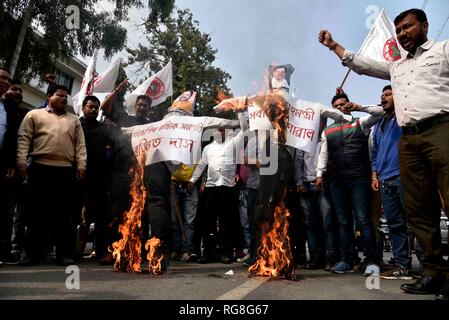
(344,156)
(8,147)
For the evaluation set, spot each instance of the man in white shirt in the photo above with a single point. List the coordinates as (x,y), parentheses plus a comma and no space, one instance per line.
(420,83)
(220,193)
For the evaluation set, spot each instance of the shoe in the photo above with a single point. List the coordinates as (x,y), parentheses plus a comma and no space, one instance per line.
(193,257)
(243,259)
(417,274)
(174,256)
(426,285)
(444,293)
(392,261)
(398,273)
(107,260)
(315,264)
(28,262)
(64,261)
(358,267)
(342,267)
(11,260)
(387,267)
(239,254)
(225,259)
(371,270)
(330,262)
(206,259)
(185,257)
(248,263)
(300,263)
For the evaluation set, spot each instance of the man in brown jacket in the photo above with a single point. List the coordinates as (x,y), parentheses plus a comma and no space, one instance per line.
(54,140)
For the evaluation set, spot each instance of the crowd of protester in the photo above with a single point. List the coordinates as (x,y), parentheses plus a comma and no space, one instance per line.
(61,173)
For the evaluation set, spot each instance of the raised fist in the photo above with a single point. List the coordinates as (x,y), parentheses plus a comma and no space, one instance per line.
(325,38)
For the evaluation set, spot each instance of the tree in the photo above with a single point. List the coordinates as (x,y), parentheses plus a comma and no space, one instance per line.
(179,38)
(97,29)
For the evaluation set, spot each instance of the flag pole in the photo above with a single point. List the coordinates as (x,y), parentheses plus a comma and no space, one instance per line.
(344,79)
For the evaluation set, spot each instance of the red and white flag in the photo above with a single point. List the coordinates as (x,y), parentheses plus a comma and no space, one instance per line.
(102,83)
(86,84)
(158,87)
(381,43)
(105,82)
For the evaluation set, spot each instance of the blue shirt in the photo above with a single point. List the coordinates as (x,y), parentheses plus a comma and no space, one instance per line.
(385,159)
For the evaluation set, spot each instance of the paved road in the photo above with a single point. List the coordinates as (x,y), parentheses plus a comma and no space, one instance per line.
(190,281)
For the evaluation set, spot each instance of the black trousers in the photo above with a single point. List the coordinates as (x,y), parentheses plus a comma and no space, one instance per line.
(222,203)
(273,188)
(424,167)
(8,194)
(50,212)
(93,195)
(158,207)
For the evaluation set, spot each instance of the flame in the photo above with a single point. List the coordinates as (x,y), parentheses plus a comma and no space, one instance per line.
(221,96)
(275,108)
(153,245)
(275,255)
(126,251)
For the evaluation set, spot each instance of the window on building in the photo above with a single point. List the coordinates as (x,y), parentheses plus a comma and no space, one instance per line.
(64,79)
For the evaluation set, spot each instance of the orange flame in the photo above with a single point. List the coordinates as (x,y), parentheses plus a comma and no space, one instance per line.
(221,96)
(126,251)
(275,255)
(155,265)
(275,108)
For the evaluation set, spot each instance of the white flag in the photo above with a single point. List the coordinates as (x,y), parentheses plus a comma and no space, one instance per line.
(158,87)
(105,82)
(381,43)
(88,76)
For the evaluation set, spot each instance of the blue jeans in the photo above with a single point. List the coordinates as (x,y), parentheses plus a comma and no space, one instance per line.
(188,205)
(244,221)
(353,195)
(318,219)
(393,201)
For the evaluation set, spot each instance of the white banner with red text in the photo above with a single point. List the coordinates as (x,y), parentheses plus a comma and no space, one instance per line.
(174,138)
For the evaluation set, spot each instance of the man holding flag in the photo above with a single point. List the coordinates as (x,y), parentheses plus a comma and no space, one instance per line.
(420,82)
(104,82)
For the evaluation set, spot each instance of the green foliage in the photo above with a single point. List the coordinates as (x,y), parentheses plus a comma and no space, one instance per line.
(98,29)
(179,38)
(160,9)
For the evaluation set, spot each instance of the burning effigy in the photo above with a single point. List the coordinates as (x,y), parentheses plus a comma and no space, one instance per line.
(160,147)
(127,251)
(274,254)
